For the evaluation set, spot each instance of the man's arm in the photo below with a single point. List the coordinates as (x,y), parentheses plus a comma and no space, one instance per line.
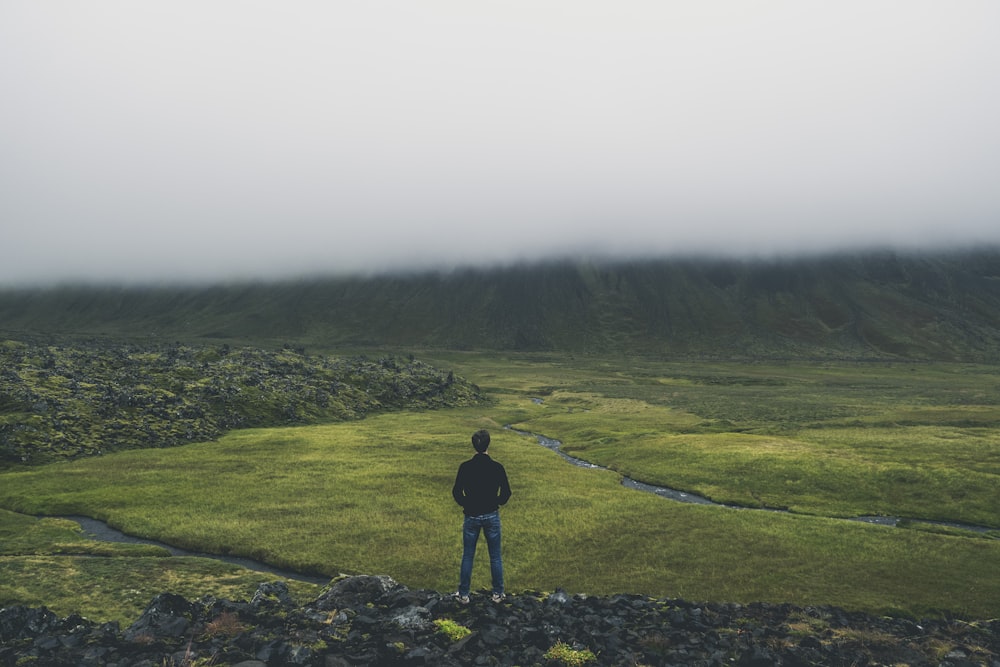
(504,487)
(458,490)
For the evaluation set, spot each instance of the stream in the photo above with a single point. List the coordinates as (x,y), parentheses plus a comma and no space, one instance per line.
(99,530)
(686,497)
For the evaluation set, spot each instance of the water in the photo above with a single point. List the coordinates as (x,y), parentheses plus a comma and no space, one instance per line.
(101,531)
(687,497)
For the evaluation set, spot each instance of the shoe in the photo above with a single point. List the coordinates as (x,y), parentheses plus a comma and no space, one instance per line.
(499,597)
(462,599)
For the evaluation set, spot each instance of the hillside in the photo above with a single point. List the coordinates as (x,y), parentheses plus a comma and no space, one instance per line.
(67,401)
(943,306)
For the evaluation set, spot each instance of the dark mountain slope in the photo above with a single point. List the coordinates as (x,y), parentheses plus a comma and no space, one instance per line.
(941,306)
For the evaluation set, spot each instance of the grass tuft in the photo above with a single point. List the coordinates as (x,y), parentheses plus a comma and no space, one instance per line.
(226,624)
(567,655)
(451,629)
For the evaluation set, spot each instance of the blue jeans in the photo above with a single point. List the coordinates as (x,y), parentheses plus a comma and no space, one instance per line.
(490,525)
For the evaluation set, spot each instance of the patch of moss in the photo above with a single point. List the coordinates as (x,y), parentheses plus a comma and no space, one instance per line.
(451,629)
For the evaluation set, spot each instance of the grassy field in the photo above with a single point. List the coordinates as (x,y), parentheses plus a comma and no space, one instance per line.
(831,440)
(373,496)
(49,562)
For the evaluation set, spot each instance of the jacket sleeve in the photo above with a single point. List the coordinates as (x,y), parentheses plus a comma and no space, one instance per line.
(458,490)
(504,487)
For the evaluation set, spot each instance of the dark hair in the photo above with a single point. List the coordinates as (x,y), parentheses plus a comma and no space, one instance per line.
(481,440)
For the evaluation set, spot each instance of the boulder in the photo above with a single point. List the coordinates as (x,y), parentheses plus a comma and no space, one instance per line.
(167,615)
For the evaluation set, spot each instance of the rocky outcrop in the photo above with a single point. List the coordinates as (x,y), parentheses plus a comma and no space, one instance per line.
(372,620)
(85,398)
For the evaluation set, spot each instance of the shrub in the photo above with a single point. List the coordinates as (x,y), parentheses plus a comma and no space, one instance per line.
(226,624)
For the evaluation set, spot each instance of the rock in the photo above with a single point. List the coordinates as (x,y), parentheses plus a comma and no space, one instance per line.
(419,656)
(272,652)
(493,635)
(273,595)
(413,618)
(758,657)
(168,615)
(559,597)
(355,592)
(374,621)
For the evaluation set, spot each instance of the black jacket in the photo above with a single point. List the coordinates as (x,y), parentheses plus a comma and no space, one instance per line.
(481,486)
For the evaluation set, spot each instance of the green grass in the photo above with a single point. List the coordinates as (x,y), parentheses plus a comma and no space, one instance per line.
(50,562)
(373,496)
(451,629)
(918,441)
(567,655)
(926,471)
(22,535)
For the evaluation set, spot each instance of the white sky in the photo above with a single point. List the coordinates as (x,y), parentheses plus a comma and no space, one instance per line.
(224,139)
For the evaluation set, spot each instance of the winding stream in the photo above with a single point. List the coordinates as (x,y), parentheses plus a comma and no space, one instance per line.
(686,497)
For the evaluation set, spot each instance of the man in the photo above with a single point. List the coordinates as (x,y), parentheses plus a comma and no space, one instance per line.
(481,486)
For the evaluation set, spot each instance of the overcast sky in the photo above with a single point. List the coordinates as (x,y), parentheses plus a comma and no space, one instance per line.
(228,139)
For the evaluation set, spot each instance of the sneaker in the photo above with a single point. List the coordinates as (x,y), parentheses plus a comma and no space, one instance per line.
(499,597)
(463,599)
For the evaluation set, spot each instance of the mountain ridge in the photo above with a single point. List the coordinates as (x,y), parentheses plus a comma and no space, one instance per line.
(932,306)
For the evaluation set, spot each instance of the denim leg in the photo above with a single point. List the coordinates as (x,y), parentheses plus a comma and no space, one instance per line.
(470,535)
(492,531)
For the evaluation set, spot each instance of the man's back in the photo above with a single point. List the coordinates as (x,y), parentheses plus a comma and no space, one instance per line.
(481,485)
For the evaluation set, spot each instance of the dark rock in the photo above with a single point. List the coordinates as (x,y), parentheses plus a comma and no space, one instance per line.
(298,655)
(94,655)
(493,635)
(373,621)
(413,618)
(419,656)
(272,651)
(168,615)
(20,622)
(559,597)
(356,592)
(758,657)
(273,595)
(337,661)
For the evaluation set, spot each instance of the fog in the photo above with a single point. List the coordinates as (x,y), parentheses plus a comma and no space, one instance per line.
(194,141)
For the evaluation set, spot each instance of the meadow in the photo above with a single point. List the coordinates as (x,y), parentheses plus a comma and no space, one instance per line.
(825,441)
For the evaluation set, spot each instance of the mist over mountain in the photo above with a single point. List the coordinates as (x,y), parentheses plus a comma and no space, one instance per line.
(941,306)
(231,140)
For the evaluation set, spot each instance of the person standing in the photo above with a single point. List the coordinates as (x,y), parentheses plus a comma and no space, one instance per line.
(481,487)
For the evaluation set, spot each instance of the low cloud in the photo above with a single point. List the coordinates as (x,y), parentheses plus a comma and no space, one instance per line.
(189,141)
